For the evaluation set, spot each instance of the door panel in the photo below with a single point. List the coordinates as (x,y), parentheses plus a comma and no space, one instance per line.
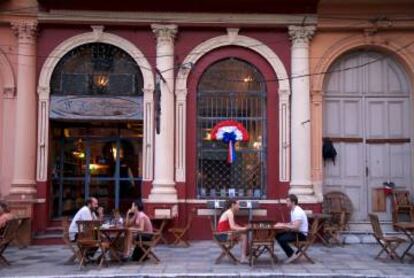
(386,119)
(347,175)
(351,112)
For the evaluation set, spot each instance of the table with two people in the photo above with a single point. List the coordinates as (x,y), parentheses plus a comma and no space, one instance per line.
(132,238)
(258,236)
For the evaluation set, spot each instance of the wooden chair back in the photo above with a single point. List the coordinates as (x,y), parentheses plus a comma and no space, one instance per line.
(403,208)
(336,202)
(376,226)
(262,232)
(65,229)
(9,234)
(338,219)
(190,219)
(89,231)
(313,231)
(401,198)
(10,231)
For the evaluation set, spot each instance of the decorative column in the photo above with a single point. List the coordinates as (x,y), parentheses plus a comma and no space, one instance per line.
(23,183)
(163,189)
(317,163)
(301,184)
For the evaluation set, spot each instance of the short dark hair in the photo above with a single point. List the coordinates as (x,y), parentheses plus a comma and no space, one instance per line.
(293,198)
(89,201)
(4,207)
(229,203)
(139,205)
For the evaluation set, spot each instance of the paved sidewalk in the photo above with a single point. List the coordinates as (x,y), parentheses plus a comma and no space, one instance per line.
(198,260)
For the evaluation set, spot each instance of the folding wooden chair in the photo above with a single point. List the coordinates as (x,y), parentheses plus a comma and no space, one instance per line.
(8,235)
(147,242)
(402,208)
(70,244)
(158,232)
(334,228)
(180,233)
(89,241)
(262,241)
(303,245)
(226,241)
(388,243)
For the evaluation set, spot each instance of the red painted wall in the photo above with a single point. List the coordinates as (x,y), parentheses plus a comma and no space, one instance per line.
(50,36)
(281,45)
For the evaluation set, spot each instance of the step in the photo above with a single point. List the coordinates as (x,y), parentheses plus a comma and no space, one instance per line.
(48,237)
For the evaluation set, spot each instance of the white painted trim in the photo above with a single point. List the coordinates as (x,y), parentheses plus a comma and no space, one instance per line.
(233,38)
(271,20)
(97,35)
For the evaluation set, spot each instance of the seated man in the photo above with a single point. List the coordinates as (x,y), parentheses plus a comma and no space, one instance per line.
(5,215)
(90,211)
(136,221)
(298,227)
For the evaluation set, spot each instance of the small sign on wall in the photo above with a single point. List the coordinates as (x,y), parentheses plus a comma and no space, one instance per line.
(378,200)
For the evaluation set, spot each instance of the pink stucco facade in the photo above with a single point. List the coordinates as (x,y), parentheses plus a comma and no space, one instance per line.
(293,52)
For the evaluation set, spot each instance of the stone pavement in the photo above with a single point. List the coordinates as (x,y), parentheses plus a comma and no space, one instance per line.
(198,261)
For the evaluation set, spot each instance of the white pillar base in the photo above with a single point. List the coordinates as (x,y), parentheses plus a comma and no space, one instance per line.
(163,191)
(305,194)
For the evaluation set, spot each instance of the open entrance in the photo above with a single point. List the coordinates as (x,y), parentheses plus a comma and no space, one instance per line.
(102,160)
(96,129)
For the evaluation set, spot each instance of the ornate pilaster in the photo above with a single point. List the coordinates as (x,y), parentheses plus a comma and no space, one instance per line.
(301,184)
(301,35)
(148,134)
(25,31)
(164,185)
(180,135)
(284,138)
(165,34)
(23,183)
(316,140)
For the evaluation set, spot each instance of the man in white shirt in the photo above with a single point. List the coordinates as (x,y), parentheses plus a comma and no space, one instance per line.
(298,227)
(90,211)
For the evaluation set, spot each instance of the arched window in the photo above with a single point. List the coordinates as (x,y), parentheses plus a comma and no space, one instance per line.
(231,89)
(97,69)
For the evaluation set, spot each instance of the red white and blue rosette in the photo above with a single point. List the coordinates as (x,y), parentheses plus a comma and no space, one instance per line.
(230,132)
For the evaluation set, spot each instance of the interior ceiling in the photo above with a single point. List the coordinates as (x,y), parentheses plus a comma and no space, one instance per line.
(223,6)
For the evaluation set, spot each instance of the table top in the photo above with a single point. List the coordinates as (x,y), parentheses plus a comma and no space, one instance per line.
(319,216)
(161,218)
(405,225)
(113,229)
(265,226)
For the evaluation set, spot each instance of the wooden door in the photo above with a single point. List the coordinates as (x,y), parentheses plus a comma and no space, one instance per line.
(367,114)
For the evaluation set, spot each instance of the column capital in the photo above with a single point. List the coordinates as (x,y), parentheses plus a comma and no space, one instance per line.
(9,92)
(25,30)
(164,33)
(301,34)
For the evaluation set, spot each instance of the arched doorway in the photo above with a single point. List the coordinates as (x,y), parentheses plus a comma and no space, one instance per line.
(367,114)
(233,83)
(96,129)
